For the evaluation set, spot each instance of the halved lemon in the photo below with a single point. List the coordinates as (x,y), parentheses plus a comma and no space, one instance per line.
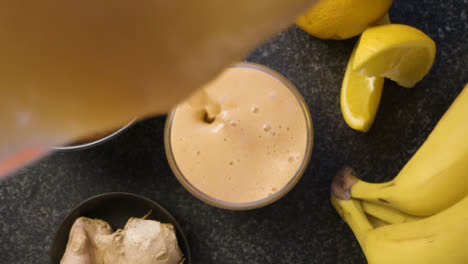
(399,52)
(360,97)
(338,19)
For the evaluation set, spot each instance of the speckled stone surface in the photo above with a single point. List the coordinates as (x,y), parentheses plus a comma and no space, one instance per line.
(300,228)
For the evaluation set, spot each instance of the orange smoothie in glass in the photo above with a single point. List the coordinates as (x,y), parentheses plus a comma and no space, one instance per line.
(256,147)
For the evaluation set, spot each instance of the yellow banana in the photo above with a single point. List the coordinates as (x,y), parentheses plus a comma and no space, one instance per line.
(351,212)
(387,214)
(435,178)
(441,238)
(376,222)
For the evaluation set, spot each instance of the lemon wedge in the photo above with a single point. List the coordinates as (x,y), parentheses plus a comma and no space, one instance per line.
(399,52)
(360,97)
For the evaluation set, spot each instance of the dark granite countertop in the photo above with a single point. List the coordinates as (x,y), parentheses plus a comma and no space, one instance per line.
(300,228)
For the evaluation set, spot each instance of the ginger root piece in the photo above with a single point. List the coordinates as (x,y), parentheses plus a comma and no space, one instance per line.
(80,247)
(140,242)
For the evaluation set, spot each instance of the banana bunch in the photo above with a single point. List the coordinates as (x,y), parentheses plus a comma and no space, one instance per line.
(421,216)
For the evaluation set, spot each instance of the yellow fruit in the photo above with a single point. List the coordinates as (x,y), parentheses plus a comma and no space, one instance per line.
(360,95)
(399,52)
(387,214)
(342,19)
(434,179)
(383,20)
(376,222)
(441,238)
(351,212)
(360,98)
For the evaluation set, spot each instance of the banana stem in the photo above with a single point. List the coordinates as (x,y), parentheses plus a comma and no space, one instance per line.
(342,183)
(360,190)
(346,184)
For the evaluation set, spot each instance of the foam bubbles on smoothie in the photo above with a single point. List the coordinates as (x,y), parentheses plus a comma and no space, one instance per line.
(272,96)
(254,109)
(293,157)
(272,191)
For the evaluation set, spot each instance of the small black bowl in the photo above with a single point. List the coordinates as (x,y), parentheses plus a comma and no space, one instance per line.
(115,208)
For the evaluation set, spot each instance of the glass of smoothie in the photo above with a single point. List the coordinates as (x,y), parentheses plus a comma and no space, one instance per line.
(252,149)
